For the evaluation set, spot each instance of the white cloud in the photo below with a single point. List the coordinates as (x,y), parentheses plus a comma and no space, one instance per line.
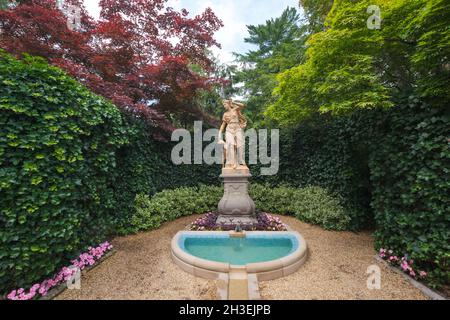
(92,7)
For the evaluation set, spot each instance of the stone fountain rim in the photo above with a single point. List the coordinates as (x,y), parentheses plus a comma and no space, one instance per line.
(269,270)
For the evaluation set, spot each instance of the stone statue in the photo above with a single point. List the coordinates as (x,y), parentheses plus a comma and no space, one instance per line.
(234,123)
(236,206)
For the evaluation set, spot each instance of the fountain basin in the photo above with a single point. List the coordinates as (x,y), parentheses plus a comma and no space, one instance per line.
(269,255)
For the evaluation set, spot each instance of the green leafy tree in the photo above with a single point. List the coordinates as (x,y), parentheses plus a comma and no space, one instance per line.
(4,4)
(315,13)
(280,46)
(210,101)
(350,67)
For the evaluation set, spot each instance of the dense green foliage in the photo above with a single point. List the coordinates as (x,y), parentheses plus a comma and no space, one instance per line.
(211,101)
(169,205)
(371,118)
(338,80)
(145,167)
(410,173)
(280,46)
(58,148)
(351,67)
(4,4)
(326,152)
(312,204)
(316,13)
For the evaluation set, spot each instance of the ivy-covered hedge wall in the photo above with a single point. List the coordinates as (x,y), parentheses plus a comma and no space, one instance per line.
(58,147)
(410,173)
(145,167)
(325,152)
(391,167)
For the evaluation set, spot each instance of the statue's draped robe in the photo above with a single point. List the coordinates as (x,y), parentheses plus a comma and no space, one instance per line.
(234,138)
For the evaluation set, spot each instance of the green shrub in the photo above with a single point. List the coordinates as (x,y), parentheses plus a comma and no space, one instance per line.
(274,199)
(145,217)
(58,146)
(312,204)
(170,205)
(317,206)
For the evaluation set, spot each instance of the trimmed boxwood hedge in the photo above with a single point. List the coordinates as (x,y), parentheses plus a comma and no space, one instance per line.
(58,147)
(311,204)
(169,205)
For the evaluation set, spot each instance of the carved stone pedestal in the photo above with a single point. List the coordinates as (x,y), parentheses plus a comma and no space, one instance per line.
(236,206)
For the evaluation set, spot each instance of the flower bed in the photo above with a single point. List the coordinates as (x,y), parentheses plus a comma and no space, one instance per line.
(404,263)
(66,274)
(266,222)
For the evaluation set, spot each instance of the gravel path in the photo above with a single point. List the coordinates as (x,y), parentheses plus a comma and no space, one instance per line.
(336,269)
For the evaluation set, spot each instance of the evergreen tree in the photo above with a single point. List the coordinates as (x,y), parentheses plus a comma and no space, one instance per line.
(279,46)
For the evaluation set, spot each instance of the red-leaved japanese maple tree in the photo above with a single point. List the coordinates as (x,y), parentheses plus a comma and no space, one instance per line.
(139,54)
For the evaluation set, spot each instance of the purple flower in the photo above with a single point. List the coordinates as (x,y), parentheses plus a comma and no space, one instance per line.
(265,222)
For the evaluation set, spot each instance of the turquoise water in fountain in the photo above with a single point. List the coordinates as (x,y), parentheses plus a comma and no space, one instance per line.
(239,251)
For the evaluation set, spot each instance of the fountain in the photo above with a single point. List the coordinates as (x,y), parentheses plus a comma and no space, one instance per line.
(268,255)
(240,254)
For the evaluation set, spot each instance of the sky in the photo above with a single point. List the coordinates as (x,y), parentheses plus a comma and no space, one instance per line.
(235,14)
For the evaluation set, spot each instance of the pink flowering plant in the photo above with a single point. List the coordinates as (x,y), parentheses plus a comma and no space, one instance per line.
(404,263)
(66,274)
(265,222)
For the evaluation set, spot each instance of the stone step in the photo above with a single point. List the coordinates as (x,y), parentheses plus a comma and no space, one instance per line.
(242,286)
(238,285)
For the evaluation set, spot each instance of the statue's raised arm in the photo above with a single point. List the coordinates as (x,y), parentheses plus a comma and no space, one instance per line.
(240,106)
